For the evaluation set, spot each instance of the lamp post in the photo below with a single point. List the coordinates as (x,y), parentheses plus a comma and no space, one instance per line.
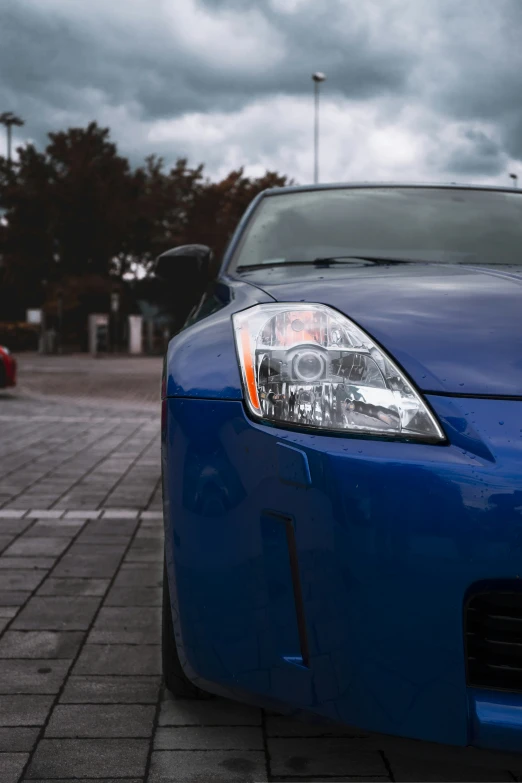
(59,298)
(115,309)
(317,79)
(514,177)
(9,119)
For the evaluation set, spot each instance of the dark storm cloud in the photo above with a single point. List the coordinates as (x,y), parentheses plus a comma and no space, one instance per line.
(476,154)
(48,60)
(67,61)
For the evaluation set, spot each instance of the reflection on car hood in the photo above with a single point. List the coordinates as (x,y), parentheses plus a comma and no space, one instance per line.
(454,329)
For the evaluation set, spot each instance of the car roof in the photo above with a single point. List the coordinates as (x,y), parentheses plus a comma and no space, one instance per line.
(354,185)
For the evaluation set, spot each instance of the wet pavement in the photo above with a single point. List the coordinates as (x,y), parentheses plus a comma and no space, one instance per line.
(81,547)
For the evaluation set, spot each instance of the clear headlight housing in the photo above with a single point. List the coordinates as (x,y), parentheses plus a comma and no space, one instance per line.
(308,365)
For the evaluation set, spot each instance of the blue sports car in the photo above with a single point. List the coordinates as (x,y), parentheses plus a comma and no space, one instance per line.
(342,462)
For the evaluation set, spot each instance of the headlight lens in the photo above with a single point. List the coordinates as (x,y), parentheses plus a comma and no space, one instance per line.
(309,365)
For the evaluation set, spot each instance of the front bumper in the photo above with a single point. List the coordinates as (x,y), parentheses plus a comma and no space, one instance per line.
(386,539)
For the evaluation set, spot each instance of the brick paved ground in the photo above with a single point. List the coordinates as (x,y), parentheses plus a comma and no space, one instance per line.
(80,592)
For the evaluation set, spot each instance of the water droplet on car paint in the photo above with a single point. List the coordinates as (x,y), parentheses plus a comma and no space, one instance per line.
(461,384)
(501,422)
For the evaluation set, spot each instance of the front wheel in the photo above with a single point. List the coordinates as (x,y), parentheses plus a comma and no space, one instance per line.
(174,677)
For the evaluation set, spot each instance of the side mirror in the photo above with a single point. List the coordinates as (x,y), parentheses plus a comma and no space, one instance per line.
(187,265)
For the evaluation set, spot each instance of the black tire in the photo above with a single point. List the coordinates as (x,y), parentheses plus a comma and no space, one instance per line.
(3,377)
(176,681)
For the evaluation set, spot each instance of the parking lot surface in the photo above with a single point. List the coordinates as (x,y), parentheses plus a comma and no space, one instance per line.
(81,547)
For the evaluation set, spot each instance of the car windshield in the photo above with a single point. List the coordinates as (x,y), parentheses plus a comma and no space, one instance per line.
(417,224)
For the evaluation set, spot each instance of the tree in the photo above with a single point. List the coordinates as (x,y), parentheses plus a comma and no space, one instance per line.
(26,243)
(92,200)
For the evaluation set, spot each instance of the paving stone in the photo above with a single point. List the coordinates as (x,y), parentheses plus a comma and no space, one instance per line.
(26,563)
(24,710)
(209,738)
(119,659)
(414,770)
(126,625)
(9,611)
(95,758)
(45,528)
(111,527)
(111,690)
(11,766)
(151,515)
(131,575)
(281,726)
(134,596)
(14,526)
(148,533)
(215,712)
(40,644)
(89,780)
(88,561)
(29,546)
(57,613)
(73,587)
(328,756)
(20,580)
(101,720)
(5,541)
(11,513)
(102,540)
(207,766)
(32,676)
(83,514)
(44,514)
(13,598)
(145,555)
(17,738)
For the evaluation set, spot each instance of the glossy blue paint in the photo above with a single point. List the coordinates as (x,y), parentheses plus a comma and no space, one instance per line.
(390,536)
(201,359)
(497,720)
(293,465)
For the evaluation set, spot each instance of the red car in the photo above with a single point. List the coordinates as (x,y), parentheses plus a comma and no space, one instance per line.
(7,368)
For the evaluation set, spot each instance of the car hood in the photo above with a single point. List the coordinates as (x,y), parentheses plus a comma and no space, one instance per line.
(454,329)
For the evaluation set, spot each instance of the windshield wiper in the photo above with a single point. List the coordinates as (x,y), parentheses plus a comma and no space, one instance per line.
(331,261)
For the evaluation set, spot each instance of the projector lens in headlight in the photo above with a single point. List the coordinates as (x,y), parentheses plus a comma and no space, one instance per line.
(309,365)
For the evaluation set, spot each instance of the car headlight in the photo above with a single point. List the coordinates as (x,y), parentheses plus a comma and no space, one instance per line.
(308,365)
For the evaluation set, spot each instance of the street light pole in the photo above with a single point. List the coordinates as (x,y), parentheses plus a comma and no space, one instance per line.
(317,79)
(60,320)
(514,177)
(9,119)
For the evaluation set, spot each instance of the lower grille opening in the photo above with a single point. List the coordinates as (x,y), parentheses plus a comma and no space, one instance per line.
(493,635)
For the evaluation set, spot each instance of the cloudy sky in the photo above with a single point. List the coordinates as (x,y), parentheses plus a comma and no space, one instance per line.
(416,90)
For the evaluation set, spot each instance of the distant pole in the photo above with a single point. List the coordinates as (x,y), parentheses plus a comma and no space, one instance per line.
(115,309)
(60,320)
(514,177)
(9,119)
(317,79)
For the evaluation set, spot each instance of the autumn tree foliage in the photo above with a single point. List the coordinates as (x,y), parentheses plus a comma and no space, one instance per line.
(78,215)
